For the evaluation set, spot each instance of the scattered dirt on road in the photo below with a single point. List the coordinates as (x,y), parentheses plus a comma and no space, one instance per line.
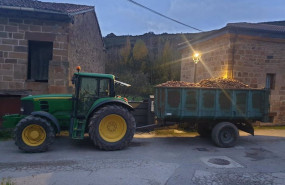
(257,154)
(205,177)
(39,164)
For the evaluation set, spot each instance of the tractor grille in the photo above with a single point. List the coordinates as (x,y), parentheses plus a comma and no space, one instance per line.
(44,106)
(28,107)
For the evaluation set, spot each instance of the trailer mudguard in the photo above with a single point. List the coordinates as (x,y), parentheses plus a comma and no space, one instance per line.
(49,117)
(246,127)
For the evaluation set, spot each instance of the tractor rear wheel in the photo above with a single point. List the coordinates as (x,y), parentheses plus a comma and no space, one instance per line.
(112,127)
(34,134)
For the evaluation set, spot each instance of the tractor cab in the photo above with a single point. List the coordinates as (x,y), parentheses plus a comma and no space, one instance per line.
(89,87)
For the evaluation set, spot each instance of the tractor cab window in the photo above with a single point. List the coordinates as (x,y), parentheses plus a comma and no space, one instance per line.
(90,90)
(89,87)
(104,90)
(88,93)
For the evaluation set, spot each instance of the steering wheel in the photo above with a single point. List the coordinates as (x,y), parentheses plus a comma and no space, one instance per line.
(86,91)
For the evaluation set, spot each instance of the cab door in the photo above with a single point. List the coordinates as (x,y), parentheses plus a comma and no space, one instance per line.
(87,95)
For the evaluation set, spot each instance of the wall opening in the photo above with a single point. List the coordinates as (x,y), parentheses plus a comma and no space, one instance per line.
(270,81)
(40,53)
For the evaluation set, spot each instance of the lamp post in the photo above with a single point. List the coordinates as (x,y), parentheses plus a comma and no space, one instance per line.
(196,58)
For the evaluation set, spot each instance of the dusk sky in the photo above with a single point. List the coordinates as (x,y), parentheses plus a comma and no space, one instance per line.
(124,18)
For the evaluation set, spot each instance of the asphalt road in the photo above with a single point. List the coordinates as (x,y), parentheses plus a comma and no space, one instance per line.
(150,160)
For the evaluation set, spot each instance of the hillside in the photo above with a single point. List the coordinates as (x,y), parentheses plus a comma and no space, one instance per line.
(145,60)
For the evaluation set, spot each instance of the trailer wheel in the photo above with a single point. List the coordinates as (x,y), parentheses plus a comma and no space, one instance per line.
(34,134)
(225,134)
(203,131)
(112,127)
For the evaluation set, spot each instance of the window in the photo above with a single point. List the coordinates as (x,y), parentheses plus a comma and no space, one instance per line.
(104,90)
(88,87)
(91,89)
(40,53)
(270,81)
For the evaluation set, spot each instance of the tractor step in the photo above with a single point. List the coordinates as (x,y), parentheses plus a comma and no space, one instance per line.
(78,129)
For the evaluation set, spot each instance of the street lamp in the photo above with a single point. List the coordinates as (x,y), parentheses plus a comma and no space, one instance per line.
(196,58)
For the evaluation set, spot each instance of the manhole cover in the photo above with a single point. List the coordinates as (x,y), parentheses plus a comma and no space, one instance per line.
(219,161)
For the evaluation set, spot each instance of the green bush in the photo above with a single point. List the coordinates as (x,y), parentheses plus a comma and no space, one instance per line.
(7,181)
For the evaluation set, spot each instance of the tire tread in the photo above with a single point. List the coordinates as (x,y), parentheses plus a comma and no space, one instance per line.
(50,137)
(94,121)
(215,134)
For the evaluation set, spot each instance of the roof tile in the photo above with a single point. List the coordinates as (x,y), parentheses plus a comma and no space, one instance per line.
(56,7)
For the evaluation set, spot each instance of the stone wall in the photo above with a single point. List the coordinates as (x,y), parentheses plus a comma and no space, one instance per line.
(245,58)
(14,36)
(255,57)
(59,77)
(213,63)
(74,43)
(86,46)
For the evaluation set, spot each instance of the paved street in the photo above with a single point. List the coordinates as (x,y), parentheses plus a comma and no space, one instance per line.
(151,160)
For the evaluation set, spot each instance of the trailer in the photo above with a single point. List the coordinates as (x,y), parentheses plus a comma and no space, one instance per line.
(217,112)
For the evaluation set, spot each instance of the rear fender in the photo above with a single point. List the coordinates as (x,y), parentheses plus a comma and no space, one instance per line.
(49,117)
(108,102)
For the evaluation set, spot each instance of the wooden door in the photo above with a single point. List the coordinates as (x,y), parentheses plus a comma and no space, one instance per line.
(9,105)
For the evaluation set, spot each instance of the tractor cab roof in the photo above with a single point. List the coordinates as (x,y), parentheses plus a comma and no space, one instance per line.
(96,75)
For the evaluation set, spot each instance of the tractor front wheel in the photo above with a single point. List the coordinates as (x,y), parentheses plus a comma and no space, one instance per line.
(34,134)
(112,127)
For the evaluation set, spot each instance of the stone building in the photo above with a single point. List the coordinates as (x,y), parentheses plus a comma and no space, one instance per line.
(251,53)
(41,43)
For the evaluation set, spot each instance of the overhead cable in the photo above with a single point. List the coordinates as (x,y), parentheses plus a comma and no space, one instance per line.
(153,11)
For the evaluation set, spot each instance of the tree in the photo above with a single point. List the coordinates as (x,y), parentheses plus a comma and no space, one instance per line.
(140,50)
(110,35)
(151,61)
(125,52)
(166,62)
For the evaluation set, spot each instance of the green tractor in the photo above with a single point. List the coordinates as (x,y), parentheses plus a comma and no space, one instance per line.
(93,109)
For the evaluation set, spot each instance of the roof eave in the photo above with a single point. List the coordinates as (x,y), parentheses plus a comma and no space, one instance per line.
(219,32)
(82,11)
(30,9)
(229,29)
(44,11)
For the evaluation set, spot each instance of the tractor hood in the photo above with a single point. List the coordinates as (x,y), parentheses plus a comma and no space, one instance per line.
(48,97)
(59,105)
